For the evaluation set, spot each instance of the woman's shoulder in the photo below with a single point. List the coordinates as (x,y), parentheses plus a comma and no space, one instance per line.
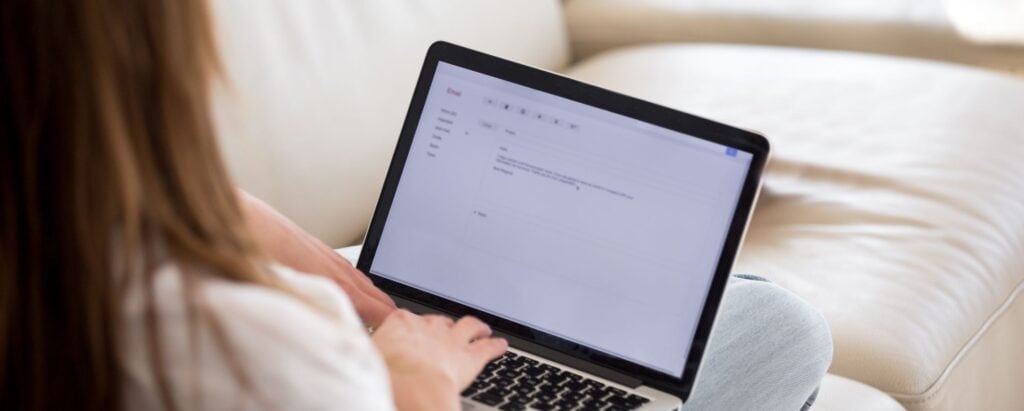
(311,304)
(301,350)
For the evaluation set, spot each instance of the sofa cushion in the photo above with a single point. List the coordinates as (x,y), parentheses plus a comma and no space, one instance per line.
(316,91)
(893,203)
(918,28)
(843,394)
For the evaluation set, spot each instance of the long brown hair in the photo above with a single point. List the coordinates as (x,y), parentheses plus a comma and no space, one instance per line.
(107,150)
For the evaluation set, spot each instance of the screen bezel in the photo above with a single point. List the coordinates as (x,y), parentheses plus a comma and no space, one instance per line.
(757,145)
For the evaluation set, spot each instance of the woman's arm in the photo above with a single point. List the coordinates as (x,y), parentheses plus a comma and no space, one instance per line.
(290,245)
(429,359)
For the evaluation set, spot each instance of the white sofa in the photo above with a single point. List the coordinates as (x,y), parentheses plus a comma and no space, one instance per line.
(917,28)
(893,202)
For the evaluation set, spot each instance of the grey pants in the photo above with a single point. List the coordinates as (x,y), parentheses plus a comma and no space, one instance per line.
(769,350)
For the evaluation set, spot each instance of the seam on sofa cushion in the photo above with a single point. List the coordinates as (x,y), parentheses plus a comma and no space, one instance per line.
(940,382)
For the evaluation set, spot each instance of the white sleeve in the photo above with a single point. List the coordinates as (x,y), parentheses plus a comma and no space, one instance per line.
(295,356)
(307,359)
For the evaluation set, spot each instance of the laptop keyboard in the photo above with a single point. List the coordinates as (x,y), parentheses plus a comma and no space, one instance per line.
(517,382)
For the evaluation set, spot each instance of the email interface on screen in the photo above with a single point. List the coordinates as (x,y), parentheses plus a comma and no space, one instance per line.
(573,220)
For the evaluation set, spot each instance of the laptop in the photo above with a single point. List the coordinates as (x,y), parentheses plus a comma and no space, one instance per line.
(594,231)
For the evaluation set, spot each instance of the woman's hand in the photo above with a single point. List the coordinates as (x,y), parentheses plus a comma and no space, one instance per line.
(292,246)
(431,358)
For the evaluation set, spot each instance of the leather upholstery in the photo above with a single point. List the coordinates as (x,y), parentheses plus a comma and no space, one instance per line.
(893,203)
(843,394)
(316,91)
(917,28)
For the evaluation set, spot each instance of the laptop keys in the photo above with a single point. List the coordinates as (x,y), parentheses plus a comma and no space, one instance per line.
(545,397)
(555,379)
(524,390)
(633,398)
(500,391)
(517,382)
(532,371)
(573,396)
(489,399)
(593,403)
(529,381)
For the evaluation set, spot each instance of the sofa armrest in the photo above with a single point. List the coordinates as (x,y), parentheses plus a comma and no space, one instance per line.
(915,29)
(843,394)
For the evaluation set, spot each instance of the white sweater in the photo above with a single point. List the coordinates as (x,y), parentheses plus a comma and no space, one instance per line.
(297,357)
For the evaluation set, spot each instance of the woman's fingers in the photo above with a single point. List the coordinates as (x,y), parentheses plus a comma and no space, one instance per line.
(470,328)
(486,349)
(483,351)
(482,347)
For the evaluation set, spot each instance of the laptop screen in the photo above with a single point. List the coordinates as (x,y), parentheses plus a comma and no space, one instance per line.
(569,219)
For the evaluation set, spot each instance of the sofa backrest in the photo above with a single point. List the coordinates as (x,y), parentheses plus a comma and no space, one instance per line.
(315,91)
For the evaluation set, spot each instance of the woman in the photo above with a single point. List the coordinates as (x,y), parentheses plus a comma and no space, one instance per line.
(134,276)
